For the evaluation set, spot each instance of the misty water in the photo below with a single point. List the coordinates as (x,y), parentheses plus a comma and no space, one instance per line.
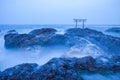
(41,55)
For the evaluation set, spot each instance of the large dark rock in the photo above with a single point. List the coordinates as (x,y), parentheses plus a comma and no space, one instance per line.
(19,72)
(17,40)
(59,69)
(116,58)
(12,32)
(86,63)
(56,40)
(42,37)
(81,32)
(76,36)
(72,37)
(43,31)
(107,43)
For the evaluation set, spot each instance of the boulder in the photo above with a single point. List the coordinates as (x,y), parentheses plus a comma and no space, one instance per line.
(42,37)
(19,72)
(12,32)
(18,40)
(43,31)
(107,43)
(81,32)
(86,63)
(72,37)
(77,35)
(57,39)
(59,69)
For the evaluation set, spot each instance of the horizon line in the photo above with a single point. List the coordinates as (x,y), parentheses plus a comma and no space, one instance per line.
(65,24)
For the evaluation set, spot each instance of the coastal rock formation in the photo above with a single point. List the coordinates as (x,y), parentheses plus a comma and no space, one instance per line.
(73,37)
(106,43)
(19,72)
(35,37)
(17,40)
(60,69)
(43,31)
(12,32)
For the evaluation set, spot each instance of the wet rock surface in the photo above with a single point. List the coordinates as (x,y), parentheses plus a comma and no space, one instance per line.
(59,69)
(107,43)
(19,72)
(12,32)
(17,40)
(35,37)
(72,37)
(43,31)
(83,40)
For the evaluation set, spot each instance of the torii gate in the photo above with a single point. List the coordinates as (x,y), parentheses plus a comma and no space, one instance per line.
(80,20)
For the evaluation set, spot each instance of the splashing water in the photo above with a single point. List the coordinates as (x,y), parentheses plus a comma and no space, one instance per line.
(85,48)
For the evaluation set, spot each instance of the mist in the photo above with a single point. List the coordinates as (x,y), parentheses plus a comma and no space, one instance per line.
(39,55)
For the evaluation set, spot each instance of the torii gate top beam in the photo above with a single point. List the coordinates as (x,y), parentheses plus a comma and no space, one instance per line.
(80,20)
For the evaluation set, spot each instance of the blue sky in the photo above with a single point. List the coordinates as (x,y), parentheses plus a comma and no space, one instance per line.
(59,11)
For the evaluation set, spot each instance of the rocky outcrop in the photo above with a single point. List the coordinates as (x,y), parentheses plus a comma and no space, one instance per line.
(35,37)
(82,32)
(19,72)
(60,69)
(17,40)
(64,68)
(12,32)
(107,43)
(43,31)
(72,37)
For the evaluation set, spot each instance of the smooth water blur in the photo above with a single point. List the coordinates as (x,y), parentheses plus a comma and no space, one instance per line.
(41,55)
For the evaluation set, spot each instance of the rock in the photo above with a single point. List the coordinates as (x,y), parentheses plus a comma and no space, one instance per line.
(114,29)
(58,69)
(86,63)
(18,40)
(106,43)
(56,40)
(116,58)
(12,32)
(72,37)
(19,72)
(9,37)
(77,35)
(42,37)
(115,68)
(43,31)
(81,32)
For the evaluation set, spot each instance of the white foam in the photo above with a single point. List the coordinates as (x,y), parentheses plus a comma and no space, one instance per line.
(85,49)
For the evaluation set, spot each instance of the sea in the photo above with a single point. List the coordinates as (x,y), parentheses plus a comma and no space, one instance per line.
(40,55)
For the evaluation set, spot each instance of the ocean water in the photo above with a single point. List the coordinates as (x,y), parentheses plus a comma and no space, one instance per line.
(40,55)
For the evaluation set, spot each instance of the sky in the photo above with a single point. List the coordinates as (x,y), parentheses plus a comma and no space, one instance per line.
(59,11)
